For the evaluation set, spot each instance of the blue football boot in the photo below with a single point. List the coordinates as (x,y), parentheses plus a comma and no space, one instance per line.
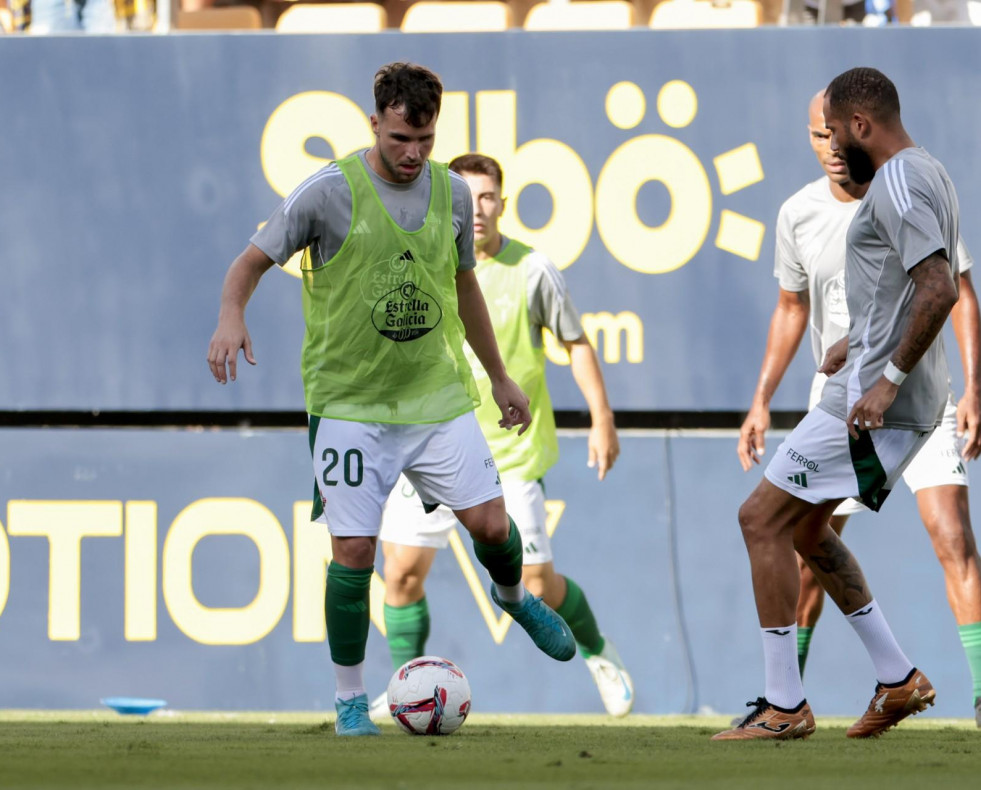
(352,717)
(546,628)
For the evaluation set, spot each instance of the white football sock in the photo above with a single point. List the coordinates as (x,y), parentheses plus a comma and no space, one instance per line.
(511,593)
(783,684)
(350,681)
(891,664)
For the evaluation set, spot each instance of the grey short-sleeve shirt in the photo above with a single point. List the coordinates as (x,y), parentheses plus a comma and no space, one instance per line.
(549,303)
(317,214)
(909,213)
(810,256)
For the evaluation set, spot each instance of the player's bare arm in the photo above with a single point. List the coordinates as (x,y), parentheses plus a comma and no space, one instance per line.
(604,446)
(934,295)
(512,402)
(231,334)
(787,327)
(967,329)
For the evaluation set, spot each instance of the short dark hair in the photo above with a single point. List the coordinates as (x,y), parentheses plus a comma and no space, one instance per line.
(864,89)
(478,163)
(413,88)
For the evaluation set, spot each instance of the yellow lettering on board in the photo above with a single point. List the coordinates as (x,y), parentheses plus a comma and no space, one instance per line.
(626,325)
(550,163)
(4,568)
(64,524)
(140,586)
(226,625)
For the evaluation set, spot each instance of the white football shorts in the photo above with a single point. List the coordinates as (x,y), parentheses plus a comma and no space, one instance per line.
(819,461)
(356,466)
(406,522)
(938,463)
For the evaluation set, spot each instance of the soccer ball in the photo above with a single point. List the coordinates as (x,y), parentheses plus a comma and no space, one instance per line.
(429,695)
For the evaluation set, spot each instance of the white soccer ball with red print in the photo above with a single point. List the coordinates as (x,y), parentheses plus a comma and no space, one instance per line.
(429,695)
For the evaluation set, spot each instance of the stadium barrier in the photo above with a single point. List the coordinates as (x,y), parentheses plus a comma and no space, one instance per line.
(183,565)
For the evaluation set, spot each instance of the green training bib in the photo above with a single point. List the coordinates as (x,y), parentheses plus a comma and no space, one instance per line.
(504,282)
(384,341)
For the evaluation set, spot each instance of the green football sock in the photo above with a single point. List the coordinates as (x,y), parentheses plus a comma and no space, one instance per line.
(407,629)
(347,612)
(503,561)
(803,646)
(971,639)
(575,610)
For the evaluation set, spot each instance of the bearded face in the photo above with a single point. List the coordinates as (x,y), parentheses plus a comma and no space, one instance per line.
(860,166)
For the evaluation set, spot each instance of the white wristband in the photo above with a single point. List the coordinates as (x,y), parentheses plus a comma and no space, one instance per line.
(894,374)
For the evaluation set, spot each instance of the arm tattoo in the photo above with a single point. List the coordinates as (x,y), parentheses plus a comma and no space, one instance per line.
(934,295)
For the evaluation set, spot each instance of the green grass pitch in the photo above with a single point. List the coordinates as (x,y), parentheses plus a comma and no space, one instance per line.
(101,749)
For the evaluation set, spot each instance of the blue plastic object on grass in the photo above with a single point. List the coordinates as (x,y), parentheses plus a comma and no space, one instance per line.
(133,705)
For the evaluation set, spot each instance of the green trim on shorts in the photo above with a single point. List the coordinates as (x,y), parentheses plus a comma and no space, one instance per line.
(869,471)
(312,431)
(318,503)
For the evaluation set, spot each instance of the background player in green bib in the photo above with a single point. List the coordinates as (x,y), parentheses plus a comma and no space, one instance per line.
(389,295)
(526,294)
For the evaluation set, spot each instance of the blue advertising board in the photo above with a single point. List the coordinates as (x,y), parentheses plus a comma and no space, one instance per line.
(182,565)
(649,165)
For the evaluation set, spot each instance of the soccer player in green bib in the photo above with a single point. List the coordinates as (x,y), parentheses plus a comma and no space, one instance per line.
(389,296)
(527,294)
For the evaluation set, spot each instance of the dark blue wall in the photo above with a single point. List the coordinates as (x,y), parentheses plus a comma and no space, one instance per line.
(133,172)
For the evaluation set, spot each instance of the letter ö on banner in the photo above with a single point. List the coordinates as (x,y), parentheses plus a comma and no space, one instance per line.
(226,626)
(552,164)
(672,244)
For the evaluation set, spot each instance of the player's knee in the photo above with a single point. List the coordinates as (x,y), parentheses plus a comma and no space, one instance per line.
(489,528)
(535,581)
(487,523)
(357,552)
(749,521)
(404,586)
(497,530)
(955,549)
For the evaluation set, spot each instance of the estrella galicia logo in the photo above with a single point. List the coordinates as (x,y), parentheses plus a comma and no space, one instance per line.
(406,313)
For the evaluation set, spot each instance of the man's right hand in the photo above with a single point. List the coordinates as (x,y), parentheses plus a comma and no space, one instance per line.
(513,403)
(752,441)
(229,337)
(834,359)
